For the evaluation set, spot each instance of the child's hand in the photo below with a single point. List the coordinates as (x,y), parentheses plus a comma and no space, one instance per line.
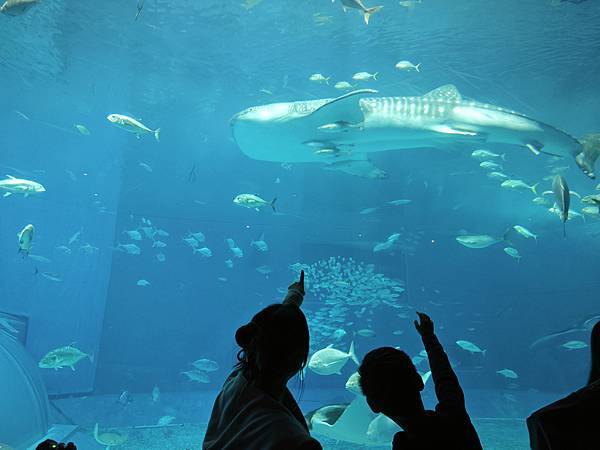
(425,326)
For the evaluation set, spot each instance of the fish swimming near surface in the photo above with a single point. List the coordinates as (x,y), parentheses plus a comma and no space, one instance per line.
(132,125)
(290,132)
(563,199)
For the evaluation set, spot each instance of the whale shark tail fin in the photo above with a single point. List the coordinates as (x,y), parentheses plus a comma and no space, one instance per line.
(370,11)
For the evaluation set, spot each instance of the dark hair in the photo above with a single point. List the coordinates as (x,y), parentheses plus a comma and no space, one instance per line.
(595,347)
(275,341)
(385,367)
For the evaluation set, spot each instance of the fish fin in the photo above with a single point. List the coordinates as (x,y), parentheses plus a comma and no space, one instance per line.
(273,204)
(137,136)
(7,194)
(11,177)
(375,75)
(91,356)
(417,67)
(73,368)
(484,352)
(343,108)
(157,134)
(534,189)
(503,156)
(327,80)
(370,11)
(329,346)
(535,147)
(445,92)
(353,354)
(449,130)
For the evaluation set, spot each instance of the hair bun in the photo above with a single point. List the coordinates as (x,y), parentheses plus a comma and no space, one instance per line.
(245,334)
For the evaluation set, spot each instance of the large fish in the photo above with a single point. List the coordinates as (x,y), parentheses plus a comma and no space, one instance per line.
(563,199)
(583,326)
(349,127)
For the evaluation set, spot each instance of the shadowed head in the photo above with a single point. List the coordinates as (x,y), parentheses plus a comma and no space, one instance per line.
(390,382)
(595,347)
(274,343)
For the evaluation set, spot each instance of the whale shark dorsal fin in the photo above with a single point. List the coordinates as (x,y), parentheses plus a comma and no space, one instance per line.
(447,92)
(344,108)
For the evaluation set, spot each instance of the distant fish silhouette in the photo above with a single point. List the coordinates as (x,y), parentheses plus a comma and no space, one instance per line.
(563,199)
(140,6)
(585,325)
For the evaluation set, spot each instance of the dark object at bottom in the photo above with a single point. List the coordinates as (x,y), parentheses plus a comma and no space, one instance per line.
(49,444)
(568,424)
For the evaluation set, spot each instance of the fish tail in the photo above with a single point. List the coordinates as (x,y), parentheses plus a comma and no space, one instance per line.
(353,354)
(502,156)
(327,80)
(484,352)
(534,189)
(370,11)
(375,75)
(417,67)
(273,204)
(91,357)
(157,134)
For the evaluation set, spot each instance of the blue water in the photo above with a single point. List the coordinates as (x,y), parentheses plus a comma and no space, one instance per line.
(188,67)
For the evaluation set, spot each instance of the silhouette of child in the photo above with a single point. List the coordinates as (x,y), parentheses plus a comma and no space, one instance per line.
(392,386)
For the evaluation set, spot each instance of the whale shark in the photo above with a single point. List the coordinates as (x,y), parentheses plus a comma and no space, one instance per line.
(350,127)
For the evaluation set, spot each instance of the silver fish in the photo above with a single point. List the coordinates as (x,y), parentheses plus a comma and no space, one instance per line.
(563,199)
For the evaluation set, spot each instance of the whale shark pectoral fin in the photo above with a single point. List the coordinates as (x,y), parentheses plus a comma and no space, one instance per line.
(341,109)
(535,147)
(447,92)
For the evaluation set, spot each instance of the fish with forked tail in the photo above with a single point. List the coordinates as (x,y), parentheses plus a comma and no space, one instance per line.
(358,4)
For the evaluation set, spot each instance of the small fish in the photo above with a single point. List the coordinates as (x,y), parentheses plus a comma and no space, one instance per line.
(488,165)
(253,201)
(75,237)
(353,384)
(398,332)
(588,210)
(133,234)
(319,78)
(64,248)
(484,155)
(574,345)
(407,66)
(191,242)
(260,244)
(197,375)
(470,347)
(14,185)
(88,249)
(223,279)
(229,264)
(339,334)
(199,236)
(265,270)
(143,283)
(140,6)
(508,373)
(132,125)
(206,365)
(525,232)
(541,201)
(513,253)
(519,185)
(26,239)
(477,241)
(17,7)
(366,332)
(409,3)
(204,251)
(399,202)
(125,398)
(82,129)
(160,257)
(130,249)
(165,420)
(146,167)
(51,276)
(368,210)
(563,199)
(158,244)
(365,76)
(343,85)
(155,394)
(329,361)
(61,357)
(497,176)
